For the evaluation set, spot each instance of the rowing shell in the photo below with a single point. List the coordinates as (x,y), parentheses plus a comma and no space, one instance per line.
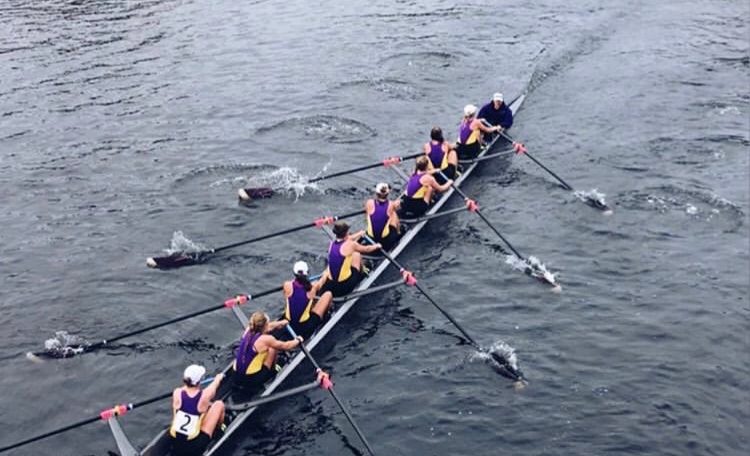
(160,445)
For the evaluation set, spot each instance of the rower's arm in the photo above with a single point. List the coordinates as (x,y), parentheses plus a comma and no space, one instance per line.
(366,248)
(438,187)
(284,346)
(209,392)
(176,400)
(485,128)
(274,325)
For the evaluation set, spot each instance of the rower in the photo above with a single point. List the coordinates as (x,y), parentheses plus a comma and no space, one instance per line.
(344,269)
(302,312)
(469,134)
(420,188)
(496,113)
(195,416)
(383,225)
(256,355)
(442,155)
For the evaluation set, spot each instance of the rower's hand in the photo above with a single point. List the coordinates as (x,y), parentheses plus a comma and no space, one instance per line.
(283,322)
(219,377)
(499,128)
(299,340)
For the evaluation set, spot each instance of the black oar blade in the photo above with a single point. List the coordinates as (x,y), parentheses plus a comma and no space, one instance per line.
(598,204)
(59,353)
(505,368)
(254,193)
(175,260)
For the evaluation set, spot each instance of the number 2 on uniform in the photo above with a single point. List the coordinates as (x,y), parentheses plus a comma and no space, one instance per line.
(185,424)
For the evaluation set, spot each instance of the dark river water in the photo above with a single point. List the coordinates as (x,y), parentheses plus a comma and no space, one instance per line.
(127,126)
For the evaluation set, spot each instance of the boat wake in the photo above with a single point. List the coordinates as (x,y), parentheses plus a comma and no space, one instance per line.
(326,128)
(533,267)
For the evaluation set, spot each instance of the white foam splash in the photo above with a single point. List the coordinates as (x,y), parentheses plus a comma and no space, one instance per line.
(286,180)
(532,265)
(507,352)
(64,344)
(181,243)
(592,195)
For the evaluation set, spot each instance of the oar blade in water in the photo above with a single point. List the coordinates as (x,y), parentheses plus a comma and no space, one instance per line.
(254,193)
(504,368)
(175,260)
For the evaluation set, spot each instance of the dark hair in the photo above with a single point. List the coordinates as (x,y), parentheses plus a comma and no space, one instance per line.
(421,164)
(304,281)
(340,228)
(437,134)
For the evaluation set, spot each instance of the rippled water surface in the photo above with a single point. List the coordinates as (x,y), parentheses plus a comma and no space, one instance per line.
(128,126)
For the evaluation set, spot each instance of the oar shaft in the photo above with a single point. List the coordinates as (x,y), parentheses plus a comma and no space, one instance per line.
(360,168)
(105,342)
(565,184)
(157,325)
(334,395)
(492,227)
(283,232)
(87,421)
(394,262)
(274,397)
(49,434)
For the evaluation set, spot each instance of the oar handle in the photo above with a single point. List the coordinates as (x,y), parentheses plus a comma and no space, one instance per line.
(333,394)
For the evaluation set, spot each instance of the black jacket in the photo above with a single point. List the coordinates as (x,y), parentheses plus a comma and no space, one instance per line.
(502,116)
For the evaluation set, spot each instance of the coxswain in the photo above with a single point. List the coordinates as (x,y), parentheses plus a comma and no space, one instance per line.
(496,113)
(344,269)
(301,311)
(383,225)
(420,188)
(442,155)
(470,131)
(256,355)
(195,414)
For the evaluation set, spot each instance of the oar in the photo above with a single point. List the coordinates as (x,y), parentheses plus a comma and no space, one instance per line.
(596,202)
(333,393)
(275,397)
(250,193)
(73,351)
(511,371)
(180,259)
(473,207)
(104,415)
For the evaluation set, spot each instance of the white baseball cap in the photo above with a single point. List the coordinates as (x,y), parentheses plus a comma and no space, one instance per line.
(301,267)
(382,188)
(193,374)
(470,110)
(497,96)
